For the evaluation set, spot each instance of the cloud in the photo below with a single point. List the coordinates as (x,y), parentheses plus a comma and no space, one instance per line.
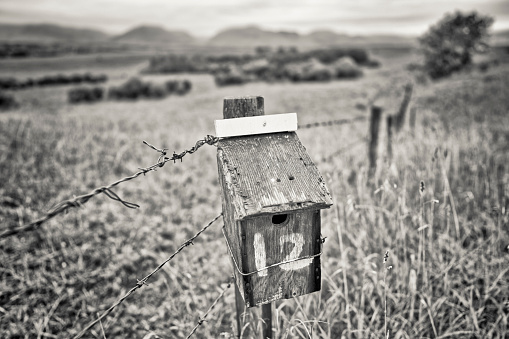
(205,17)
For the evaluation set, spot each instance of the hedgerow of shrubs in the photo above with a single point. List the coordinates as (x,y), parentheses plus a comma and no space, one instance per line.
(7,102)
(173,64)
(135,89)
(52,80)
(132,89)
(268,65)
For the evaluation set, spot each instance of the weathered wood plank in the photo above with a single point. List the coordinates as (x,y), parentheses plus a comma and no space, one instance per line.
(267,174)
(240,107)
(256,125)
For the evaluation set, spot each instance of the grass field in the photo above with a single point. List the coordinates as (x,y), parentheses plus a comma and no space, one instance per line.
(447,239)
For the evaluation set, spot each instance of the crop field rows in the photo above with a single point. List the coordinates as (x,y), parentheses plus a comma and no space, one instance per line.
(440,209)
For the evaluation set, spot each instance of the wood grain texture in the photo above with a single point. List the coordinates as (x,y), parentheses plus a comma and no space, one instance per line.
(400,116)
(267,174)
(243,107)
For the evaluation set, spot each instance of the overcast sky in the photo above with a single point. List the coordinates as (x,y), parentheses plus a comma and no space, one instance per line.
(207,17)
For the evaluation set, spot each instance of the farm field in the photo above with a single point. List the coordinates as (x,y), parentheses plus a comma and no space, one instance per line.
(440,208)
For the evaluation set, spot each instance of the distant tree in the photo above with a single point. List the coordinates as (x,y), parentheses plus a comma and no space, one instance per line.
(449,45)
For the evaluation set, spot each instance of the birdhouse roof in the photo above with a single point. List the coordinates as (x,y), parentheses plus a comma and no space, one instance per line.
(269,174)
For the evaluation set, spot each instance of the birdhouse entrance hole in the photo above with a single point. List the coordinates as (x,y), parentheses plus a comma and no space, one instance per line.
(278,219)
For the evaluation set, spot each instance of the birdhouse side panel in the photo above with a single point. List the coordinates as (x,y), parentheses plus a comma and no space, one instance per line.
(289,244)
(232,228)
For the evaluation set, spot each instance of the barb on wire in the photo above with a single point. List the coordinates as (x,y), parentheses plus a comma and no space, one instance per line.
(332,122)
(162,151)
(202,319)
(107,190)
(143,281)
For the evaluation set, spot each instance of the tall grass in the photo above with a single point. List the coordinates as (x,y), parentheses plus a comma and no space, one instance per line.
(449,276)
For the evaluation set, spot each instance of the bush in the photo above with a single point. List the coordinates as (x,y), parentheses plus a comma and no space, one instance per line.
(133,89)
(178,87)
(232,76)
(175,64)
(7,102)
(260,68)
(311,70)
(449,45)
(85,95)
(346,68)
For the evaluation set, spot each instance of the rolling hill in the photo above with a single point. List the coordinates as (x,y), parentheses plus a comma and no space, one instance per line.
(243,37)
(328,38)
(154,34)
(49,33)
(255,36)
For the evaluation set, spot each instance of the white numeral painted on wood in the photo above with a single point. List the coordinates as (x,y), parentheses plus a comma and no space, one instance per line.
(260,259)
(260,254)
(298,240)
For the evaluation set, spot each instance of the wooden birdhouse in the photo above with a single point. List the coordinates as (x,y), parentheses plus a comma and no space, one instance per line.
(272,194)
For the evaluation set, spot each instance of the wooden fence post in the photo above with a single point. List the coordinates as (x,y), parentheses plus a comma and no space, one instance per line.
(267,321)
(241,309)
(412,120)
(238,108)
(376,113)
(389,120)
(400,117)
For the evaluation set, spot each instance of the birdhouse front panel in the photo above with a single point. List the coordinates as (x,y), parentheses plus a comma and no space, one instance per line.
(281,255)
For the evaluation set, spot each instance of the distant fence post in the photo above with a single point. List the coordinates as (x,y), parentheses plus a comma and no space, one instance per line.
(374,127)
(390,120)
(400,117)
(412,120)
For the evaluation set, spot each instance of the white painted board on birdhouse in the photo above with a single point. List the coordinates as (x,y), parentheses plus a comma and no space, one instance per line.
(261,124)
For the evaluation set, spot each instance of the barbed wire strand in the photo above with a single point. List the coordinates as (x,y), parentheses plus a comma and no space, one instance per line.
(82,199)
(202,319)
(346,148)
(161,161)
(332,122)
(143,281)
